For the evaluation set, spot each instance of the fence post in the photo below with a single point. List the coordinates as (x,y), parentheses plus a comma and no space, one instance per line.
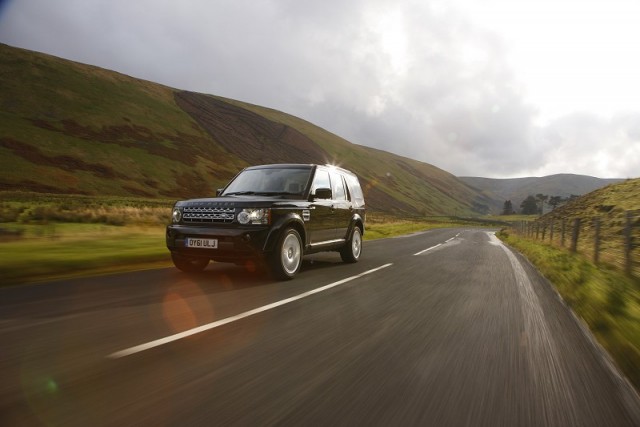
(551,233)
(596,240)
(628,244)
(537,230)
(575,235)
(544,230)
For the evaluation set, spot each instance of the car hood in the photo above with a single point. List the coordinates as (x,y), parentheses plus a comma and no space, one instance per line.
(242,202)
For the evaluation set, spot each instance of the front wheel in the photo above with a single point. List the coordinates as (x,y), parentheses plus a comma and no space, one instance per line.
(189,264)
(353,248)
(286,260)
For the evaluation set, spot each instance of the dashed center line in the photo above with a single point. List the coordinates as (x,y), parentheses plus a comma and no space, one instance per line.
(433,247)
(221,322)
(428,249)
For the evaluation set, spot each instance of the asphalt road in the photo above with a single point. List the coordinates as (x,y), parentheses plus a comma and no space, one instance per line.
(443,328)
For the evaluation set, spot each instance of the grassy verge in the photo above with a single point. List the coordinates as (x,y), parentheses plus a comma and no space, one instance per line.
(606,299)
(52,251)
(398,228)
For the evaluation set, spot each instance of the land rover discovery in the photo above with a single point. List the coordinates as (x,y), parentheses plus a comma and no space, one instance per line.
(271,215)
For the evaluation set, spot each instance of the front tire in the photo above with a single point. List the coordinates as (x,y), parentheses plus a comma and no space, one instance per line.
(286,260)
(353,248)
(189,264)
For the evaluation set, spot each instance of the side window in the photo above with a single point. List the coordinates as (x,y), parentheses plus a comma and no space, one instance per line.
(356,191)
(321,180)
(338,187)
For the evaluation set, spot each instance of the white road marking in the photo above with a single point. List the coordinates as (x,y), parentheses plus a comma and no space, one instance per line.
(428,249)
(433,247)
(221,322)
(448,240)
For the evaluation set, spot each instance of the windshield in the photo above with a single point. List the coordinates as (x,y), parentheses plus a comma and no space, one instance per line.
(269,181)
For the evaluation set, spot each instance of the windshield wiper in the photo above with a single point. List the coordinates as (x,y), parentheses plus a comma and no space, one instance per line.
(239,193)
(262,193)
(277,193)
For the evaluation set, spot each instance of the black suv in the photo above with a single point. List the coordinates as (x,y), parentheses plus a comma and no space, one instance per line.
(273,215)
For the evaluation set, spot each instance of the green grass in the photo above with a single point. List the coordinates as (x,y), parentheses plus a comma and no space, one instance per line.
(45,237)
(513,218)
(54,250)
(606,299)
(391,229)
(36,208)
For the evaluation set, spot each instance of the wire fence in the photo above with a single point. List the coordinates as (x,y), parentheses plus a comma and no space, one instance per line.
(612,239)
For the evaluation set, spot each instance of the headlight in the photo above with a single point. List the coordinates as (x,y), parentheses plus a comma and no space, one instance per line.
(254,216)
(177,215)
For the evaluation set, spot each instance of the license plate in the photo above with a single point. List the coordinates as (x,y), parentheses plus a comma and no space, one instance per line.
(202,243)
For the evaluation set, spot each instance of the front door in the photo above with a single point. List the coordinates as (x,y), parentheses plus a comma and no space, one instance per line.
(321,225)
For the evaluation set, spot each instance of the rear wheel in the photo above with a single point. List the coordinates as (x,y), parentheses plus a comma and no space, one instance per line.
(189,264)
(353,248)
(286,260)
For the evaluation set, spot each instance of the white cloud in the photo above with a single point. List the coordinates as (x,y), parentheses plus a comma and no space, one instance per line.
(444,82)
(608,148)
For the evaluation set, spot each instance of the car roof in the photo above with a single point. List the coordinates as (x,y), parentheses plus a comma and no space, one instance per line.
(282,166)
(299,166)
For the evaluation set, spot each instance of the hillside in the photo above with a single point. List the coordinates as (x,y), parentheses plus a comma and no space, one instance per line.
(517,189)
(611,201)
(77,129)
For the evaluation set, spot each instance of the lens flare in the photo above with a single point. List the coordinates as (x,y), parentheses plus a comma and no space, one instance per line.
(177,313)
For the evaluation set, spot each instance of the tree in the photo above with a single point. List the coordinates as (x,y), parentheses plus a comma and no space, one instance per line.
(541,198)
(554,201)
(508,208)
(529,206)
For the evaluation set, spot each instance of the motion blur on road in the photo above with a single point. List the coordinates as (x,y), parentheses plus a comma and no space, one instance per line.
(447,327)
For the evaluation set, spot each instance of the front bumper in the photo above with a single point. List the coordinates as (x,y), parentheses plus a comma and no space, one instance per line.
(234,244)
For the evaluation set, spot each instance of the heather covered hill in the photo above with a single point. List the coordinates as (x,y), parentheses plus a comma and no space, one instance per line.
(78,129)
(613,201)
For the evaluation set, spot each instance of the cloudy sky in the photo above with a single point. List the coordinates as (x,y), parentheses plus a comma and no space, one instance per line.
(494,88)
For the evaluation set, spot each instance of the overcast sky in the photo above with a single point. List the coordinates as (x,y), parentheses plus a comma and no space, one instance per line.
(493,88)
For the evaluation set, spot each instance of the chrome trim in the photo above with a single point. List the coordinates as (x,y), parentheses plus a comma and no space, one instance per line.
(328,242)
(191,214)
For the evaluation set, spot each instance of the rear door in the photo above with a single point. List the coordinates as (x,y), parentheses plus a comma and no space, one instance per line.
(341,205)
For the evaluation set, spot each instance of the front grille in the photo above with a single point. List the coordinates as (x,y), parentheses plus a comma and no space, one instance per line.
(208,214)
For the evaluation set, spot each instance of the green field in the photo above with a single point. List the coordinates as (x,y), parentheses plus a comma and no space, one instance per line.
(47,252)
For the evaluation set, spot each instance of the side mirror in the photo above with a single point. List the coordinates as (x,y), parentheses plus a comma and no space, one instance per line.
(219,191)
(323,193)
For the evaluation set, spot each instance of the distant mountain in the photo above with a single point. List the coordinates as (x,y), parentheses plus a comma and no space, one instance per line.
(67,127)
(517,189)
